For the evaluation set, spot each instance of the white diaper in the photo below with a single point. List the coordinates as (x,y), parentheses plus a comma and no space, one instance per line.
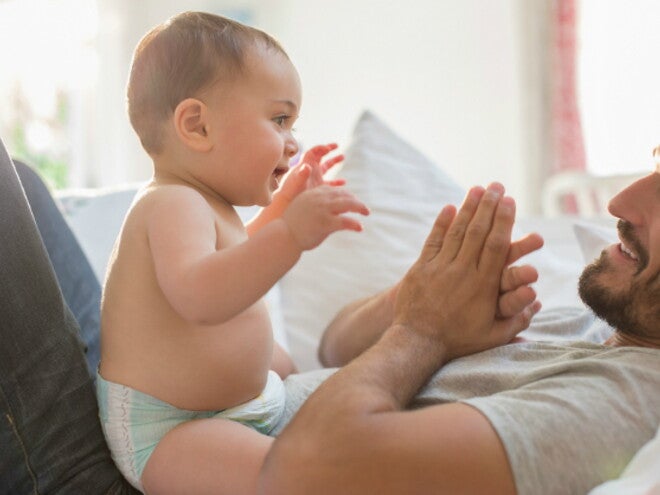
(133,422)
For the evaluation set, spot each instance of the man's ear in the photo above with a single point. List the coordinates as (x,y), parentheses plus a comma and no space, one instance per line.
(191,124)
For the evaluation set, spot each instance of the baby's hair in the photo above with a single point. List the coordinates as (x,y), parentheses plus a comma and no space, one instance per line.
(178,59)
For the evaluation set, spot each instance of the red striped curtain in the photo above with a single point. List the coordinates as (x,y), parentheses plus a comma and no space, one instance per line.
(568,142)
(567,138)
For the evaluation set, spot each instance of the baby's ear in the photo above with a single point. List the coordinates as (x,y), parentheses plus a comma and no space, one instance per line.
(191,124)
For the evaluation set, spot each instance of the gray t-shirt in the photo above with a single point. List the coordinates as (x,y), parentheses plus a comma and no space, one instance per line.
(571,414)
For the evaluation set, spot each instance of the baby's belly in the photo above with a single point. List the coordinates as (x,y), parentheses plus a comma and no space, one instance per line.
(197,368)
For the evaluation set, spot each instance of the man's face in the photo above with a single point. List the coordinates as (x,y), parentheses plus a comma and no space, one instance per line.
(623,285)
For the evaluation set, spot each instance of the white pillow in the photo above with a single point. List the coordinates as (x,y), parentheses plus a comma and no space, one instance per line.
(404,191)
(593,238)
(96,216)
(641,476)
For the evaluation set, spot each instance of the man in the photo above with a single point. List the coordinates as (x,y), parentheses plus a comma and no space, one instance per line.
(547,419)
(352,436)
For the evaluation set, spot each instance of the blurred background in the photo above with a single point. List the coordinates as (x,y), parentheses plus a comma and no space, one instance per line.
(512,90)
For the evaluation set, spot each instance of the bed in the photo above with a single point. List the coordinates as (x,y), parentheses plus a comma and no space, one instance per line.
(404,191)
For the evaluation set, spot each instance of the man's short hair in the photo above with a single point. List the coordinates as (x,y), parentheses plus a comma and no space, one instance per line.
(178,59)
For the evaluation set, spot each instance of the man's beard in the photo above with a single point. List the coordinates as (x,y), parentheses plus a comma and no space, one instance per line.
(635,309)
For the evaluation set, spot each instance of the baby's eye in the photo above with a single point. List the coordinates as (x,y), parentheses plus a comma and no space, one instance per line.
(281,120)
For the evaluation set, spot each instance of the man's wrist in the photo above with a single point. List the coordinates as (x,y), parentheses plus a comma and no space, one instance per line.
(422,344)
(403,360)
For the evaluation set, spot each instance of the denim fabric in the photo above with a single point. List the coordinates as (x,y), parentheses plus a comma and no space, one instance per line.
(50,436)
(78,283)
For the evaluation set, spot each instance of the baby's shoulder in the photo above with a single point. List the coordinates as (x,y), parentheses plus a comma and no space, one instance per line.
(168,200)
(168,193)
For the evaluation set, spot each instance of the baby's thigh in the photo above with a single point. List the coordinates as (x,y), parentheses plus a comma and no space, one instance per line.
(206,456)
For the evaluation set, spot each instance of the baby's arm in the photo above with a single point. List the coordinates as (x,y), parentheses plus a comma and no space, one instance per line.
(297,181)
(207,285)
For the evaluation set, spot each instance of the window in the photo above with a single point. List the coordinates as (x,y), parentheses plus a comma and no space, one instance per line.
(48,59)
(619,83)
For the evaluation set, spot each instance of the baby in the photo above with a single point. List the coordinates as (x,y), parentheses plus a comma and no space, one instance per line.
(189,383)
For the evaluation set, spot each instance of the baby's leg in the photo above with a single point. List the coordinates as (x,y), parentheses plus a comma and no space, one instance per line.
(213,455)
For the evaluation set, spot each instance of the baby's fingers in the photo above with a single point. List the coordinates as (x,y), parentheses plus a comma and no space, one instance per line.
(349,223)
(335,182)
(524,246)
(511,303)
(506,330)
(344,202)
(347,203)
(315,153)
(331,162)
(517,276)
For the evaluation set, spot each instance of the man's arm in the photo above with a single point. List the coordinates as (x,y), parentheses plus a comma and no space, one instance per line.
(361,323)
(352,435)
(355,439)
(356,327)
(450,449)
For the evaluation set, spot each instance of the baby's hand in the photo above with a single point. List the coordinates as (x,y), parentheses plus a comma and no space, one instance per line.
(318,212)
(313,156)
(292,185)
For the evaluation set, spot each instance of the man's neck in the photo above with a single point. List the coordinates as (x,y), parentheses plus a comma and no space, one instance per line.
(620,339)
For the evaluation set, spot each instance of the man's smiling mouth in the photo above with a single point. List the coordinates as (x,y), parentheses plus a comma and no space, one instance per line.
(628,252)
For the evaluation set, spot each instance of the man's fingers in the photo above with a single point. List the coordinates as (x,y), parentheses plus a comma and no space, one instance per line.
(453,240)
(434,241)
(496,245)
(481,226)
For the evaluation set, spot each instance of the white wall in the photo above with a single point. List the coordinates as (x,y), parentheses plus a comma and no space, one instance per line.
(447,75)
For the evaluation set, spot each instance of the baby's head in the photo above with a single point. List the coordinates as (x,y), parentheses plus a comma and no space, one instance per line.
(181,58)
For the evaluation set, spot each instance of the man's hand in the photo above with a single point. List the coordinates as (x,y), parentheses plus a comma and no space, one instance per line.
(361,323)
(450,295)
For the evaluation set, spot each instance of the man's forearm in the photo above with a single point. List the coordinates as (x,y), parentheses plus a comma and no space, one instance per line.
(391,371)
(356,327)
(328,446)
